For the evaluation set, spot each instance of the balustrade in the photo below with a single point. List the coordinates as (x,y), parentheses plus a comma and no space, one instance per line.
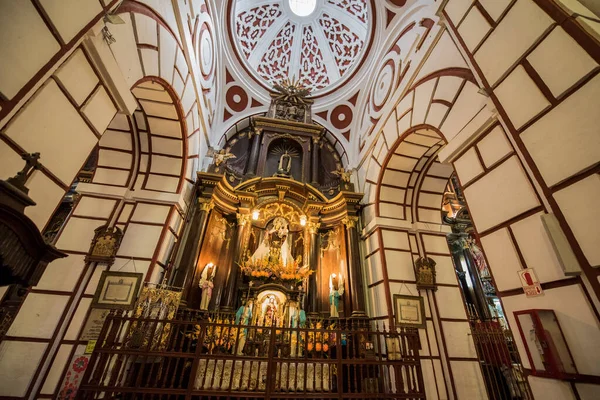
(200,356)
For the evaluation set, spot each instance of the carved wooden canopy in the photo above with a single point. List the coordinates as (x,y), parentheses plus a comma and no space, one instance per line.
(260,192)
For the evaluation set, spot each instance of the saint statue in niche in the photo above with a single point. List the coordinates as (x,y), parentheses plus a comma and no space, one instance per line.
(207,285)
(269,315)
(275,246)
(285,165)
(336,290)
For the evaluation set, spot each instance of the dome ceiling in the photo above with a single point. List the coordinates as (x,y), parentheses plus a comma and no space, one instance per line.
(319,42)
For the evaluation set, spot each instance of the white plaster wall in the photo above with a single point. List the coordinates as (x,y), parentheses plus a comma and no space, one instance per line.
(576,318)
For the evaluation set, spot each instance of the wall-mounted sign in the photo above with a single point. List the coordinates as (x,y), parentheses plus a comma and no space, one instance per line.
(89,348)
(117,290)
(94,323)
(530,282)
(410,311)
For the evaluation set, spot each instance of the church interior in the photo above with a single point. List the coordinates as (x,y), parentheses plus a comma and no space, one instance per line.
(300,199)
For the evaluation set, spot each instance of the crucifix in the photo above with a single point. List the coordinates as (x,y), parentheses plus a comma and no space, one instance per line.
(31,164)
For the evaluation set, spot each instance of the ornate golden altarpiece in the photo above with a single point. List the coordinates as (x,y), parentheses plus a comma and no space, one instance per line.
(275,211)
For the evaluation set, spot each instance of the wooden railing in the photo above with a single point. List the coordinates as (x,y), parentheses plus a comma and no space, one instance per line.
(185,358)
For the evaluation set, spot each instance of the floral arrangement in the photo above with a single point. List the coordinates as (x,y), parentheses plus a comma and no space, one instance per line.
(266,268)
(256,268)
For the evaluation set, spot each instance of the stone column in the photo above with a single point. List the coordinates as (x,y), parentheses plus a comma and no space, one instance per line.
(230,292)
(313,243)
(187,269)
(355,268)
(254,151)
(315,161)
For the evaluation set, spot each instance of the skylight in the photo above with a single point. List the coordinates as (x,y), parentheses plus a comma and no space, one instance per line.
(303,8)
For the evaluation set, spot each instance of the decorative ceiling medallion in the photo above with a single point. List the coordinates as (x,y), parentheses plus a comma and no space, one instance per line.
(206,51)
(319,42)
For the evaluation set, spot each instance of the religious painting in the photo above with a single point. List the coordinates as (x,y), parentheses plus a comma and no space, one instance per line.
(94,323)
(410,311)
(73,376)
(117,290)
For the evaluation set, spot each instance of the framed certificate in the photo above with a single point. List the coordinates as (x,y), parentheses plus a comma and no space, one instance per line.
(117,290)
(409,310)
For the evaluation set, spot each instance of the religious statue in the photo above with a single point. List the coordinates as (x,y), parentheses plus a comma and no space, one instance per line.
(275,246)
(220,156)
(285,165)
(269,315)
(344,174)
(243,317)
(297,319)
(207,285)
(425,273)
(336,290)
(478,257)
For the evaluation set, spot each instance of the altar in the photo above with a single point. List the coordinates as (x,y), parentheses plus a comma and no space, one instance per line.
(263,290)
(270,253)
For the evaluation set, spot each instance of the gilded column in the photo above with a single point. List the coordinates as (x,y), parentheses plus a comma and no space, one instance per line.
(315,161)
(254,151)
(313,240)
(230,292)
(355,269)
(187,269)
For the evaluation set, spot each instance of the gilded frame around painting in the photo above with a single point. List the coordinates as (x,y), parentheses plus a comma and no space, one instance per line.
(117,290)
(409,311)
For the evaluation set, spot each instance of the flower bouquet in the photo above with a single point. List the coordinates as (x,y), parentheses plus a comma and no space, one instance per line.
(267,268)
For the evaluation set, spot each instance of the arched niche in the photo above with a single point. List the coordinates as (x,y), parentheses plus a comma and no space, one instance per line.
(284,154)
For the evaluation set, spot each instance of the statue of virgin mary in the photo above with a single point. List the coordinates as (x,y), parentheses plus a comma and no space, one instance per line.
(275,245)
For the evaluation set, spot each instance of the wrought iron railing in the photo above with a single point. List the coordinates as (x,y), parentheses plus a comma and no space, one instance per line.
(500,362)
(188,358)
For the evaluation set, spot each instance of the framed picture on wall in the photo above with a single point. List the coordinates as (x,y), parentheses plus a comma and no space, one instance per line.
(117,290)
(409,310)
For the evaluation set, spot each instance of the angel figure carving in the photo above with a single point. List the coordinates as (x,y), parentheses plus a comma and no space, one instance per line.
(220,156)
(344,174)
(207,285)
(336,290)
